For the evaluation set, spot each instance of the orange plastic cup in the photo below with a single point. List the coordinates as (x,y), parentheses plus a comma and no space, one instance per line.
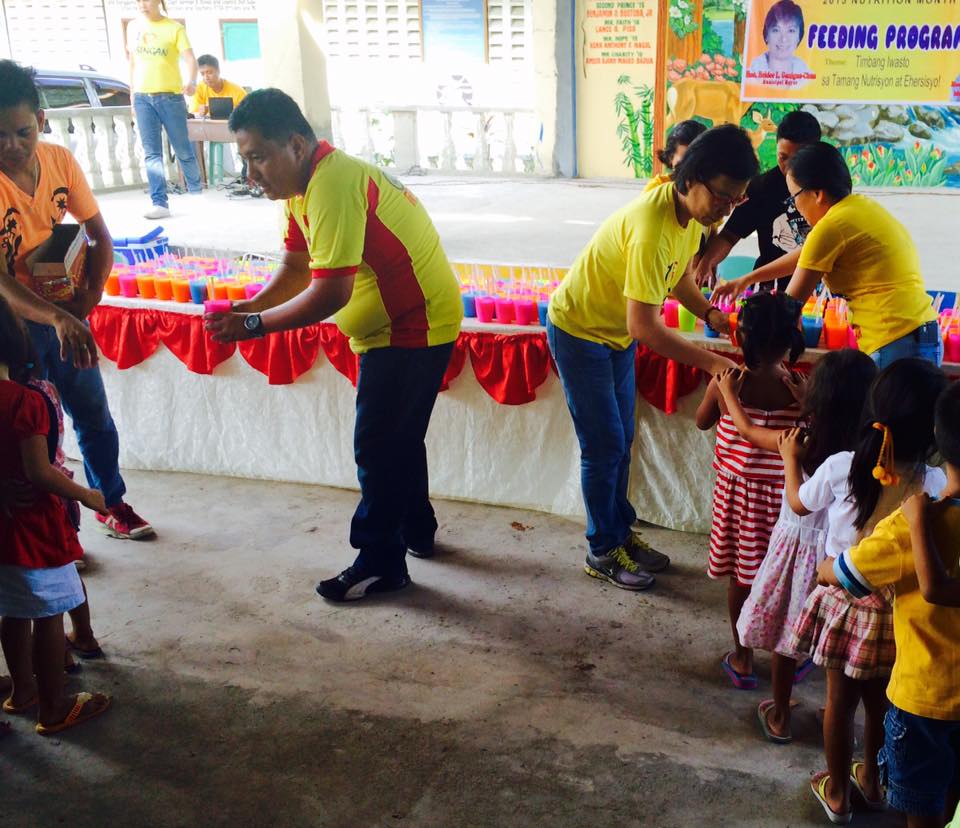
(221,290)
(163,287)
(146,287)
(236,292)
(837,334)
(733,326)
(112,287)
(181,290)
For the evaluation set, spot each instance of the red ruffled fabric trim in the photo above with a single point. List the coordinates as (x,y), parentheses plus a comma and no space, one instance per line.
(509,367)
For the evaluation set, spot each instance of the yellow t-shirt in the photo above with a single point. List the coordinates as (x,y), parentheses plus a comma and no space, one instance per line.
(205,93)
(156,48)
(656,181)
(61,188)
(867,256)
(926,675)
(355,219)
(639,253)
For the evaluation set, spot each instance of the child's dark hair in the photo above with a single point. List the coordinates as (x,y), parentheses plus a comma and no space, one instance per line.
(833,404)
(681,135)
(768,328)
(902,398)
(820,166)
(947,424)
(16,352)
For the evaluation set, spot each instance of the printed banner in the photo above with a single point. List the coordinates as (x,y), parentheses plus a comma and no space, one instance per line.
(876,51)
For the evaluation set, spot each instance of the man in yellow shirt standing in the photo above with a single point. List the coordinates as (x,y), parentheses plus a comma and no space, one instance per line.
(214,86)
(361,248)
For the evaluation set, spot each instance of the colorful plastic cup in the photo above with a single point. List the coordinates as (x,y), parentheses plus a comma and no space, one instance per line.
(181,290)
(251,289)
(128,286)
(220,290)
(486,308)
(504,310)
(198,292)
(732,318)
(236,292)
(112,286)
(836,334)
(687,320)
(163,286)
(525,312)
(145,285)
(217,306)
(812,331)
(952,347)
(852,341)
(543,306)
(671,313)
(469,305)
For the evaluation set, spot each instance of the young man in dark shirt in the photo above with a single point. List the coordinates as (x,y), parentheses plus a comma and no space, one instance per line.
(769,212)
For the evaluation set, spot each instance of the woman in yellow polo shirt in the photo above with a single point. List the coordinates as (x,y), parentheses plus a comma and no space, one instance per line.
(156,45)
(864,254)
(611,299)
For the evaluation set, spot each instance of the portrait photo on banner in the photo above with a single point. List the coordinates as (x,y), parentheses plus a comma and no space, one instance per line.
(775,46)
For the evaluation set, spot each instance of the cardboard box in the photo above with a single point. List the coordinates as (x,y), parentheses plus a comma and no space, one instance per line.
(58,266)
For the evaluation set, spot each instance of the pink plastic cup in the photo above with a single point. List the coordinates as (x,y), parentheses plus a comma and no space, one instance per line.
(504,309)
(525,312)
(128,286)
(852,342)
(217,306)
(252,289)
(486,308)
(671,313)
(952,349)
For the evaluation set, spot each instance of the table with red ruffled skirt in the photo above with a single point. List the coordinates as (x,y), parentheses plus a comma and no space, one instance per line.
(281,408)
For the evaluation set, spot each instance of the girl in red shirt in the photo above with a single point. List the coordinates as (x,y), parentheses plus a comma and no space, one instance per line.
(38,549)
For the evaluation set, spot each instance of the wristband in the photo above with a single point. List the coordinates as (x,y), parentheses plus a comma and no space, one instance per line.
(706,316)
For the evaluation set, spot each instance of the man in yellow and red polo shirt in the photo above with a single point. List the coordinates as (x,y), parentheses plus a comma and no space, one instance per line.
(360,248)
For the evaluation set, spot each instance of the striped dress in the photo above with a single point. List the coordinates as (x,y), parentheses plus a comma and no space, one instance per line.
(747,496)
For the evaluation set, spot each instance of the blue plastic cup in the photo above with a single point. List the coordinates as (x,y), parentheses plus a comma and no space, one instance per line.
(198,292)
(542,307)
(469,304)
(710,333)
(812,329)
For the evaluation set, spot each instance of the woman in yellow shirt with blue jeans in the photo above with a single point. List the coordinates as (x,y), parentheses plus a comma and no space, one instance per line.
(611,299)
(156,45)
(862,253)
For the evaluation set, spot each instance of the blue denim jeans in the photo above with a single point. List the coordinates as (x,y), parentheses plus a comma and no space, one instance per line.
(170,113)
(919,762)
(923,343)
(85,402)
(396,392)
(600,384)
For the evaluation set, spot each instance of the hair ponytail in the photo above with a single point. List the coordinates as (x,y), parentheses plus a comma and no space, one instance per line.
(897,428)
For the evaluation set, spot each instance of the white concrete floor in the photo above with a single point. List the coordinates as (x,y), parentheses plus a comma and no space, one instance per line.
(515,221)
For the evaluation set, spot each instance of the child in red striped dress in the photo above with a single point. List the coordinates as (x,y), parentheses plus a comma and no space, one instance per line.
(749,487)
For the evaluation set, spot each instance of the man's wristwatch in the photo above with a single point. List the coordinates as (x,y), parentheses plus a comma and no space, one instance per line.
(706,316)
(254,324)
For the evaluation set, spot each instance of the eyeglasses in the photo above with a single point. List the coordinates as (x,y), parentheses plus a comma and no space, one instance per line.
(731,201)
(791,200)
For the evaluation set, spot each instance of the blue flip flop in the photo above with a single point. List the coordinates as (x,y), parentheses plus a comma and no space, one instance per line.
(739,680)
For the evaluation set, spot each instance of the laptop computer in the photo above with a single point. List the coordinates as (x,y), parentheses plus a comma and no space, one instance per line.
(219,109)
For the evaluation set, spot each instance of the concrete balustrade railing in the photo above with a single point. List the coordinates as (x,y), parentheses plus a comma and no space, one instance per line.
(442,138)
(106,145)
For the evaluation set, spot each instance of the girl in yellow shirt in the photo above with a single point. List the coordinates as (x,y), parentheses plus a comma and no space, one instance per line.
(156,45)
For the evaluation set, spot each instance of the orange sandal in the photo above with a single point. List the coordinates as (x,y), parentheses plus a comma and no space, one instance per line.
(17,709)
(86,706)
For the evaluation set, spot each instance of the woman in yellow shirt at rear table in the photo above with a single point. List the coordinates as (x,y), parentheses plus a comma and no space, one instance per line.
(862,253)
(156,45)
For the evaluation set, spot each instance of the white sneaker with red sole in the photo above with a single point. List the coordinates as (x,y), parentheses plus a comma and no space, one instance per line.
(122,522)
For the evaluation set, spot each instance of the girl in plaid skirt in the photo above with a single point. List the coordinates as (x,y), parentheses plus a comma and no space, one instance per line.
(853,639)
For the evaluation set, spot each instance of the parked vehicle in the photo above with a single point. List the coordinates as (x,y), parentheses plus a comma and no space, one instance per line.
(80,89)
